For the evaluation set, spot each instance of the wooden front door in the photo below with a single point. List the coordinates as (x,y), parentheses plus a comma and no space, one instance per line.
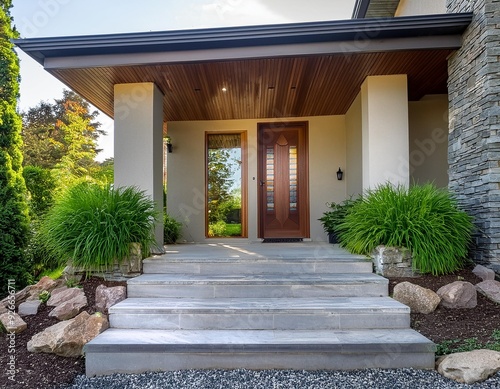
(283,180)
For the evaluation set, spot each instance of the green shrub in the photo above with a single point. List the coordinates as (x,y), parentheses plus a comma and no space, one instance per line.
(41,186)
(217,229)
(94,225)
(42,259)
(171,229)
(335,216)
(423,219)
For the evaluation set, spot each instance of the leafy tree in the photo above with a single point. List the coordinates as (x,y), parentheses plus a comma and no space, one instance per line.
(219,182)
(46,126)
(105,172)
(14,219)
(43,141)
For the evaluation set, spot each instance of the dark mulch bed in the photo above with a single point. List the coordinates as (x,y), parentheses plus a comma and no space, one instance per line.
(451,324)
(45,370)
(48,371)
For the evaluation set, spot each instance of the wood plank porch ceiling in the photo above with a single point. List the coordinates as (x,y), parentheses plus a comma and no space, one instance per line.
(263,88)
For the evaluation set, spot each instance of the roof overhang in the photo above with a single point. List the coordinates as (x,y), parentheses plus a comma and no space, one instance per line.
(375,9)
(181,62)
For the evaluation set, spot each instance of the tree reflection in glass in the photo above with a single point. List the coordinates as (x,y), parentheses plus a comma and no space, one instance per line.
(224,185)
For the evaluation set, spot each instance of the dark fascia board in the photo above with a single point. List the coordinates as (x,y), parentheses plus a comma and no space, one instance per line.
(252,36)
(360,9)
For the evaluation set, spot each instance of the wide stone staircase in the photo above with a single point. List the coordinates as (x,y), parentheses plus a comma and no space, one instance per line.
(307,310)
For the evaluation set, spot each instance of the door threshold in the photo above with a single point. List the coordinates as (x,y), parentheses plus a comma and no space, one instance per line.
(282,240)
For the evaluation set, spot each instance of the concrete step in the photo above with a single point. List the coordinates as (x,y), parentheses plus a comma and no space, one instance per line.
(238,266)
(139,350)
(263,285)
(340,313)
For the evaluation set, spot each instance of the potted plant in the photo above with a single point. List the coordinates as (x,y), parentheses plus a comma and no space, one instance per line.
(334,217)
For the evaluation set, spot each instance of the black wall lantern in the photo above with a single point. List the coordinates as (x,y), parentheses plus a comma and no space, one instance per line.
(340,174)
(169,144)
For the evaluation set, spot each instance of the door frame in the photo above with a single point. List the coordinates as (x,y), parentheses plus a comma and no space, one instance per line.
(303,166)
(244,182)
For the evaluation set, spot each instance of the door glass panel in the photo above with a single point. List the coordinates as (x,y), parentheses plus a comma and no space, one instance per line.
(270,179)
(224,184)
(293,178)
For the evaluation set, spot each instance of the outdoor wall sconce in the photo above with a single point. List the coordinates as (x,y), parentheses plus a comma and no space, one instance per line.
(340,174)
(169,144)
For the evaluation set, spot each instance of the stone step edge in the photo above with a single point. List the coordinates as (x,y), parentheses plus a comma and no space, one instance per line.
(341,260)
(106,342)
(151,305)
(288,279)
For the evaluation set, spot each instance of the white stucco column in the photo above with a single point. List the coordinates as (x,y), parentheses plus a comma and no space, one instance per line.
(385,137)
(138,142)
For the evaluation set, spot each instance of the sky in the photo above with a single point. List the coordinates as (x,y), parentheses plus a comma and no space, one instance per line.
(51,18)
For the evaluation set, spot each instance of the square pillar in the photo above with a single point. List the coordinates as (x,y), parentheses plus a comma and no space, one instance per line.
(139,143)
(385,130)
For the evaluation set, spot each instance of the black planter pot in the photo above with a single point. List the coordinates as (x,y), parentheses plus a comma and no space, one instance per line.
(332,238)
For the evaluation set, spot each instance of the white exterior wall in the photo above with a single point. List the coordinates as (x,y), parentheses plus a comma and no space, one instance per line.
(186,170)
(384,107)
(354,164)
(420,7)
(138,142)
(429,140)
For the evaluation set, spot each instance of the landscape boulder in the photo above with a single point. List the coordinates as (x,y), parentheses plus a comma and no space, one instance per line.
(484,273)
(45,283)
(69,309)
(470,367)
(458,294)
(106,297)
(71,274)
(19,297)
(491,289)
(63,294)
(30,292)
(13,322)
(419,299)
(29,308)
(67,338)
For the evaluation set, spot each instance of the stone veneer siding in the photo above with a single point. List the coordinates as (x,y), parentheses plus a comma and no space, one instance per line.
(474,138)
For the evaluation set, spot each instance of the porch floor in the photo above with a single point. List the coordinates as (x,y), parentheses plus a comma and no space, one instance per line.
(256,250)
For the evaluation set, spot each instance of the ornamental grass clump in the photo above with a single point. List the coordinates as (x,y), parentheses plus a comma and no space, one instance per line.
(94,225)
(424,219)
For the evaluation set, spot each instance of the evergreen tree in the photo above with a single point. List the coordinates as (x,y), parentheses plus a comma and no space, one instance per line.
(14,220)
(79,136)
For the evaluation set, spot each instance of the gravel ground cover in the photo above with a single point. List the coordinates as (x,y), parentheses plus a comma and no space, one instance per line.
(278,379)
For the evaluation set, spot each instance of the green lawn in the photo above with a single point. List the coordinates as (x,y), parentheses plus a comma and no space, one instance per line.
(233,230)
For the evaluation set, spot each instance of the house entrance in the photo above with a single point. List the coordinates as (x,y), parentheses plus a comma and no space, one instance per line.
(283,178)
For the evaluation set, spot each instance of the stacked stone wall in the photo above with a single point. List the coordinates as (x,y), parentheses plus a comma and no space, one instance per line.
(474,138)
